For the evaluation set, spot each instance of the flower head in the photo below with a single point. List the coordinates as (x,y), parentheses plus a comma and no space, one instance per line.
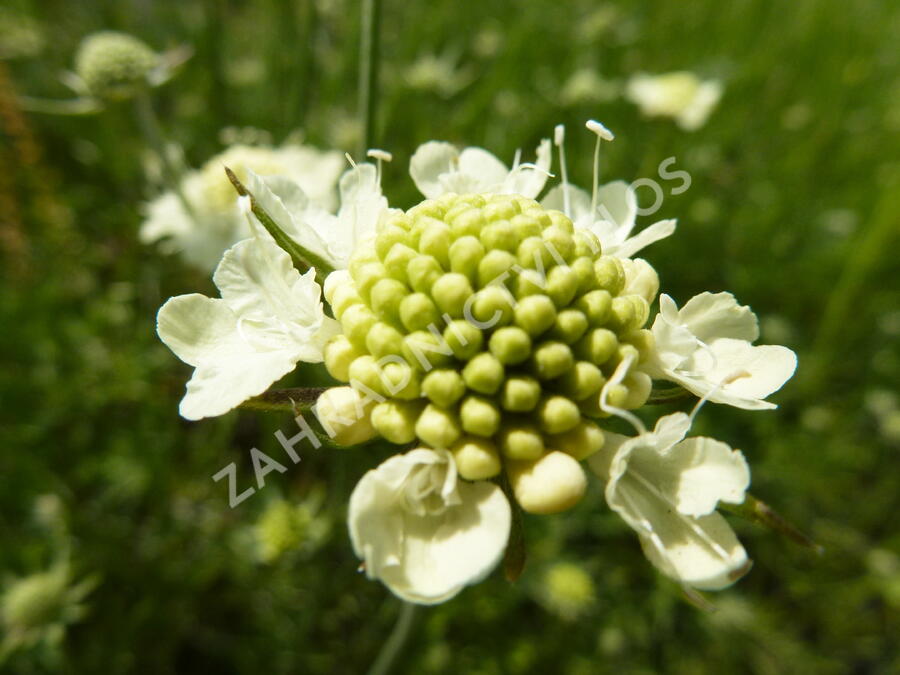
(115,65)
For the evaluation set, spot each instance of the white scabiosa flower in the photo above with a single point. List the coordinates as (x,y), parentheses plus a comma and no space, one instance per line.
(706,348)
(609,211)
(269,318)
(680,95)
(667,488)
(438,168)
(214,221)
(422,531)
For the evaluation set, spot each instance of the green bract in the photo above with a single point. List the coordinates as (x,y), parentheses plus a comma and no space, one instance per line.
(490,327)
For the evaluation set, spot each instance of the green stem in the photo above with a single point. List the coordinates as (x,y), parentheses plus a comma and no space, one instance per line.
(668,395)
(153,134)
(284,400)
(391,649)
(368,72)
(759,512)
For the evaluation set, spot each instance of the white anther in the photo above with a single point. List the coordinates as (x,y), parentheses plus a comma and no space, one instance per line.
(380,155)
(559,134)
(600,130)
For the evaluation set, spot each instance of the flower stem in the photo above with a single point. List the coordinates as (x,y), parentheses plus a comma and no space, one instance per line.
(398,637)
(153,134)
(368,72)
(284,400)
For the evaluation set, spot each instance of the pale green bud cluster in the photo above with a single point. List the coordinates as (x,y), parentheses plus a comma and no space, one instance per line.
(114,65)
(489,327)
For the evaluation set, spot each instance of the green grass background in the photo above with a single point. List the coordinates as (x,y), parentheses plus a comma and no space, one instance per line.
(793,207)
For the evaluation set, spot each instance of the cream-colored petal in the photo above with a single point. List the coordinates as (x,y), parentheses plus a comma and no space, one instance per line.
(529,181)
(616,214)
(695,474)
(481,167)
(430,161)
(640,279)
(644,238)
(710,316)
(579,201)
(760,370)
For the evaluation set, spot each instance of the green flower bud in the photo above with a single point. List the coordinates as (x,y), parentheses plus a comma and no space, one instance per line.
(437,427)
(520,393)
(494,267)
(511,345)
(560,243)
(450,293)
(366,276)
(617,396)
(479,416)
(397,261)
(500,208)
(465,255)
(535,314)
(643,341)
(596,307)
(610,274)
(492,306)
(339,354)
(344,413)
(361,256)
(597,346)
(581,442)
(521,441)
(584,272)
(484,373)
(539,215)
(357,320)
(444,387)
(639,386)
(623,351)
(557,414)
(396,420)
(365,371)
(388,237)
(561,220)
(551,359)
(570,326)
(551,484)
(423,271)
(342,298)
(586,244)
(386,297)
(424,350)
(500,236)
(400,380)
(468,222)
(476,458)
(417,312)
(430,208)
(622,316)
(383,339)
(463,339)
(114,65)
(583,380)
(562,284)
(435,241)
(526,225)
(533,253)
(530,282)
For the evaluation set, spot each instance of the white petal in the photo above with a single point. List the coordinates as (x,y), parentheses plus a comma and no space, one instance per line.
(696,474)
(481,170)
(579,201)
(430,161)
(644,238)
(616,213)
(228,370)
(640,279)
(765,369)
(530,181)
(362,205)
(426,557)
(702,104)
(718,315)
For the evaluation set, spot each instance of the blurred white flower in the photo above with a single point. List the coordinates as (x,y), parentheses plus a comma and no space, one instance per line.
(269,318)
(438,168)
(585,85)
(438,73)
(214,222)
(667,488)
(423,532)
(680,95)
(706,348)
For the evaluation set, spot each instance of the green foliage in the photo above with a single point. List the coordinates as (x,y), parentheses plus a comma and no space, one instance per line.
(793,202)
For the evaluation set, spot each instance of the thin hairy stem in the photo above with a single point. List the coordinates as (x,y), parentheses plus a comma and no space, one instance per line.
(394,645)
(368,72)
(284,400)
